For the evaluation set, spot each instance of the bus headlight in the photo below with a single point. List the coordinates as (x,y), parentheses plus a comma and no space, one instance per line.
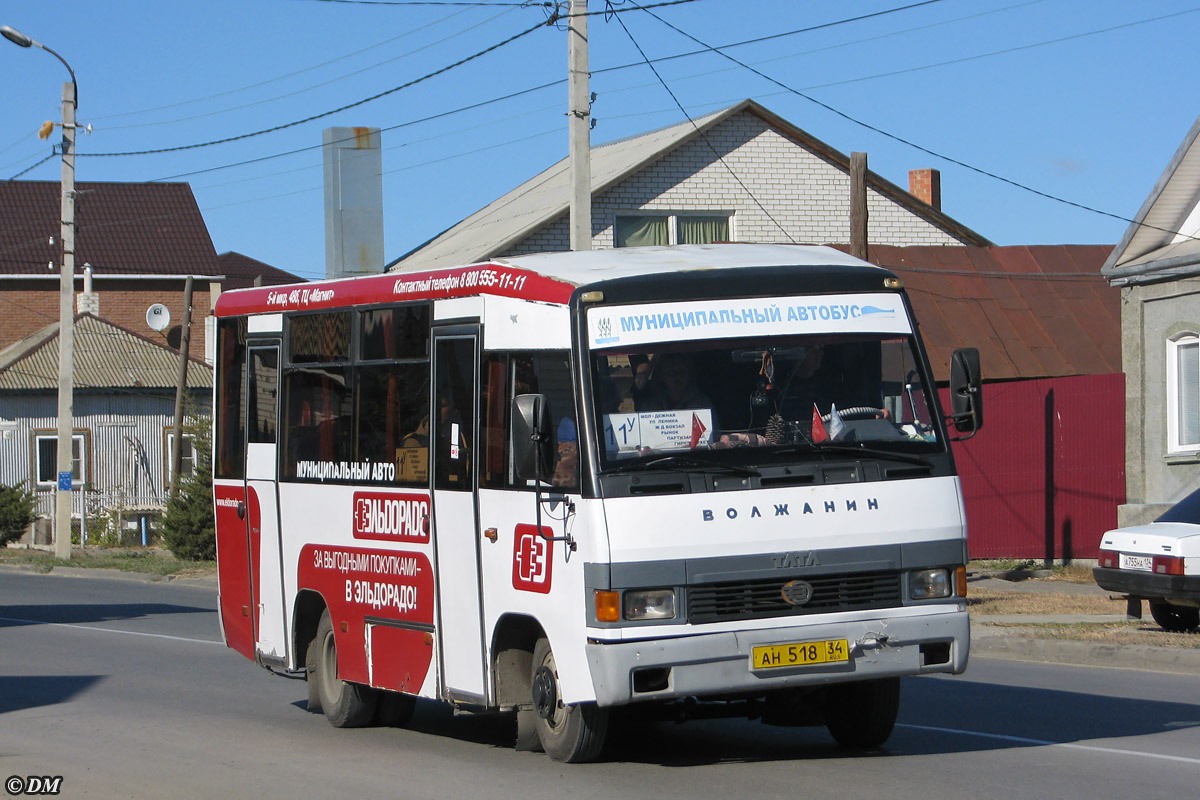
(928,584)
(649,604)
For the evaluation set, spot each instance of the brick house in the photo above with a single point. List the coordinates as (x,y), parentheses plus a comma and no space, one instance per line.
(140,240)
(669,187)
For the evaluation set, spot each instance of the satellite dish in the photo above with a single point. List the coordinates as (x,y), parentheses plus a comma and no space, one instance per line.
(158,317)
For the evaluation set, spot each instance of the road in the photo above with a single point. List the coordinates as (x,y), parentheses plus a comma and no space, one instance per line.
(124,690)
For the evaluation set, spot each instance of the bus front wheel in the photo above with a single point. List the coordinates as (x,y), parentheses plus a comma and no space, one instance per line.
(346,705)
(570,733)
(862,714)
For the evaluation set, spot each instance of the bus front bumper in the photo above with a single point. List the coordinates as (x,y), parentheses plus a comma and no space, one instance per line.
(720,664)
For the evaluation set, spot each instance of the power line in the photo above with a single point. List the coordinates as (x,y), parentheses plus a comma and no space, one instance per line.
(703,135)
(458,32)
(323,114)
(907,142)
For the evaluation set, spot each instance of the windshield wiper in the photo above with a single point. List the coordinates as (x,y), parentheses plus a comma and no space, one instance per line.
(856,450)
(657,462)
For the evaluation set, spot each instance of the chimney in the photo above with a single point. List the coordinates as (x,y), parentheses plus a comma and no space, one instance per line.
(87,301)
(926,185)
(353,202)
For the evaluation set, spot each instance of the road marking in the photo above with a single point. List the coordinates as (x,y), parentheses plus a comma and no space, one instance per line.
(109,630)
(1046,743)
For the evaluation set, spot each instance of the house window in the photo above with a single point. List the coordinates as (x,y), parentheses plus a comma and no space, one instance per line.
(187,455)
(45,450)
(633,230)
(1183,393)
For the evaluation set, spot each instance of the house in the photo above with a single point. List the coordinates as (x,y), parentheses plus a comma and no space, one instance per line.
(739,174)
(1156,267)
(124,414)
(140,240)
(1040,481)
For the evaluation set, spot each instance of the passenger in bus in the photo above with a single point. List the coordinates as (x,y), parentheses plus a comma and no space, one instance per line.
(672,387)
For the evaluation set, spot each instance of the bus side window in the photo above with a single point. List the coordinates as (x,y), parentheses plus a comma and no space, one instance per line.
(506,375)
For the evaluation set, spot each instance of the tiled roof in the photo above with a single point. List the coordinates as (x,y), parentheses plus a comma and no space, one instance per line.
(241,270)
(1035,311)
(107,357)
(139,228)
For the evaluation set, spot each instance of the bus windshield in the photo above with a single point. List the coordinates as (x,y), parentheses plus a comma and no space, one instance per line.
(774,393)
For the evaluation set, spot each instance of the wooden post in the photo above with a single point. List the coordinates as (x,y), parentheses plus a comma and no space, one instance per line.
(858,205)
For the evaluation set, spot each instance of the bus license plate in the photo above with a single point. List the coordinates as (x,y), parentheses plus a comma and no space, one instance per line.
(800,654)
(1144,563)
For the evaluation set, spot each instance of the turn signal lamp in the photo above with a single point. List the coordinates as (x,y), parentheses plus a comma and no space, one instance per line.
(608,606)
(960,581)
(893,283)
(1108,559)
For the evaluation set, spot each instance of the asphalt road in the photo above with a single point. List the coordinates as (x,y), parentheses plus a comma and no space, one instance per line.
(124,690)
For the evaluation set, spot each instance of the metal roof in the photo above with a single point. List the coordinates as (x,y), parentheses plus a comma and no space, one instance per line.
(544,197)
(1034,311)
(1163,241)
(107,357)
(240,271)
(120,228)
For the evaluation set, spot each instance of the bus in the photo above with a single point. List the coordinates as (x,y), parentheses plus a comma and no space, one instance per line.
(693,481)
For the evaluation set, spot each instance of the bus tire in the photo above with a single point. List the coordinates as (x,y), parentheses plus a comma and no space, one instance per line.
(862,714)
(346,705)
(568,733)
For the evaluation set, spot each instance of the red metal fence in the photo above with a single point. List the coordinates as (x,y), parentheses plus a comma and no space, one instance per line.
(1044,477)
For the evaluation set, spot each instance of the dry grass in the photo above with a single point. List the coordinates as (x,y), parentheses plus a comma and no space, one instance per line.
(983,601)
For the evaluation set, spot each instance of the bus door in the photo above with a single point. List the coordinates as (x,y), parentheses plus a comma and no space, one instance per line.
(262,501)
(455,520)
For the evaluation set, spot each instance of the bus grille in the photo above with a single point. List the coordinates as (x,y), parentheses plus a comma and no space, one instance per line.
(737,600)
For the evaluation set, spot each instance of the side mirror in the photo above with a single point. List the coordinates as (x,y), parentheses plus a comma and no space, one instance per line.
(532,437)
(966,391)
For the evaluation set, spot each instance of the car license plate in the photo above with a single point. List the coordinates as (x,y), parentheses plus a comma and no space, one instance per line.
(799,654)
(1143,563)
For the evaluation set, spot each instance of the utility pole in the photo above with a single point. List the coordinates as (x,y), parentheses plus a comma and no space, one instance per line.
(181,384)
(66,332)
(579,127)
(858,205)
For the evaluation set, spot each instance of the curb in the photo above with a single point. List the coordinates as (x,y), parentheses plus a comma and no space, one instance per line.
(113,575)
(1091,654)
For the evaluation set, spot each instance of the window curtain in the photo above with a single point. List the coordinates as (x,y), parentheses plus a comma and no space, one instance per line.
(703,230)
(638,231)
(1188,371)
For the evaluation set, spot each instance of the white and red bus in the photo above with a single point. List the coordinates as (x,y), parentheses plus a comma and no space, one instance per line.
(702,480)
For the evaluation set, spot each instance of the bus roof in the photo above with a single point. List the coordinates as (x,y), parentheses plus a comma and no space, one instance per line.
(545,277)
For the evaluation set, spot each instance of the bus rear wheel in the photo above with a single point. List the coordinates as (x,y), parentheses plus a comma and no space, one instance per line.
(569,733)
(346,705)
(862,714)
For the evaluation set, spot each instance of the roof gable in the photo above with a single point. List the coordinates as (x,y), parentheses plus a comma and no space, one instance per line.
(1163,241)
(107,357)
(492,230)
(120,228)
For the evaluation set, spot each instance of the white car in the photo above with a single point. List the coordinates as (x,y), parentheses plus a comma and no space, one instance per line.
(1159,562)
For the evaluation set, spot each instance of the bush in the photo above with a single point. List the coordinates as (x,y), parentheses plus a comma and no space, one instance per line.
(188,528)
(16,512)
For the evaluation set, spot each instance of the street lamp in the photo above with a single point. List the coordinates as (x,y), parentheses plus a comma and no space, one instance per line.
(66,298)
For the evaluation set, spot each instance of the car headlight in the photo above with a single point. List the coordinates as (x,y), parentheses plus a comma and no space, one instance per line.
(649,604)
(928,584)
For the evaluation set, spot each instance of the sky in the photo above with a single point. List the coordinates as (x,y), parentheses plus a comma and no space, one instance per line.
(1050,120)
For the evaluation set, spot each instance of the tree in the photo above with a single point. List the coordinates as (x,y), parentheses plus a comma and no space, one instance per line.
(16,512)
(189,530)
